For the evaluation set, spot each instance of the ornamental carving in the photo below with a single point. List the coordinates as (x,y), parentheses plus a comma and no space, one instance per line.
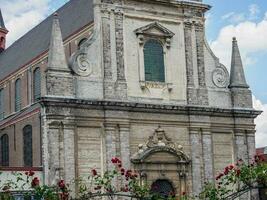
(220,77)
(82,65)
(79,61)
(155,30)
(160,142)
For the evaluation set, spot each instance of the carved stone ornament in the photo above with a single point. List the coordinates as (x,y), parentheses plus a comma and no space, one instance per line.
(154,29)
(159,141)
(79,61)
(82,66)
(220,77)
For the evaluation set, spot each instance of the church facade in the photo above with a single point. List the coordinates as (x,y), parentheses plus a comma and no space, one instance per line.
(134,79)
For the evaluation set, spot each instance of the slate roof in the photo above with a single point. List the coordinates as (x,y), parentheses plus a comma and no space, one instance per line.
(73,15)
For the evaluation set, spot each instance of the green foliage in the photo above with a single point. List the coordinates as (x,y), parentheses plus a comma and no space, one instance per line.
(126,182)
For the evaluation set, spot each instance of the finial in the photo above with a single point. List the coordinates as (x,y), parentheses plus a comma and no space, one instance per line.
(237,76)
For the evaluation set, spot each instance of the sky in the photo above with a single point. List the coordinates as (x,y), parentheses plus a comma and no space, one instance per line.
(244,19)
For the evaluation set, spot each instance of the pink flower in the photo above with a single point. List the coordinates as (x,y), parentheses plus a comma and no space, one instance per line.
(31,173)
(94,172)
(35,182)
(61,184)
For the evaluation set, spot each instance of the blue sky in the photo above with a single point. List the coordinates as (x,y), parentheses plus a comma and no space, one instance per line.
(256,72)
(244,19)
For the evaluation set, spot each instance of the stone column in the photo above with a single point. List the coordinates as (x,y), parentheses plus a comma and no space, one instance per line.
(202,91)
(251,153)
(69,155)
(110,133)
(196,156)
(207,155)
(241,148)
(241,152)
(191,92)
(121,85)
(53,155)
(125,144)
(108,75)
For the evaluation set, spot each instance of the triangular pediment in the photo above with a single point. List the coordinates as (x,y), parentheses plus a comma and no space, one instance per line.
(155,29)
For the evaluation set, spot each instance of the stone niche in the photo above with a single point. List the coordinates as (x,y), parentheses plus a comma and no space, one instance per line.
(162,163)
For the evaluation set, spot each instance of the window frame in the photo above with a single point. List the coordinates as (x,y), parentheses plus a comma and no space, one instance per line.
(164,36)
(27,148)
(17,95)
(4,152)
(36,96)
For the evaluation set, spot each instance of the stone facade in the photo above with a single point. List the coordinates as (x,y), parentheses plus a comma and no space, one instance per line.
(184,130)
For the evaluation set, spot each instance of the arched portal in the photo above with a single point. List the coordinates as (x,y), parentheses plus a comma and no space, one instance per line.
(162,164)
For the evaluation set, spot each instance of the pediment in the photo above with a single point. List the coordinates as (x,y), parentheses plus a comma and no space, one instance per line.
(155,29)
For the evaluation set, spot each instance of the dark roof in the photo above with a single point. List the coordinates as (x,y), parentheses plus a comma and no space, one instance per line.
(2,24)
(73,15)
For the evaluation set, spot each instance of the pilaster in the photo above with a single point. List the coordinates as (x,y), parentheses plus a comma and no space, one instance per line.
(110,133)
(125,144)
(196,156)
(207,154)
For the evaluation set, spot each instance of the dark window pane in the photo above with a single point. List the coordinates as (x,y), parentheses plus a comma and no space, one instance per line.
(36,84)
(154,61)
(27,146)
(5,150)
(163,187)
(17,95)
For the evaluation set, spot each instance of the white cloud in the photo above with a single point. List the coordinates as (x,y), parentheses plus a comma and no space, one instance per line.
(234,17)
(261,123)
(252,14)
(22,15)
(251,39)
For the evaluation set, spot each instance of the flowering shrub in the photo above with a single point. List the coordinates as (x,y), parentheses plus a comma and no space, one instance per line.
(236,178)
(126,182)
(30,183)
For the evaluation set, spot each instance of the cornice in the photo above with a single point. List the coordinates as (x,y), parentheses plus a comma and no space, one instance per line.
(144,107)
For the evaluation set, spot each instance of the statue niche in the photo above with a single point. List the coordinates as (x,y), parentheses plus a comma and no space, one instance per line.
(160,160)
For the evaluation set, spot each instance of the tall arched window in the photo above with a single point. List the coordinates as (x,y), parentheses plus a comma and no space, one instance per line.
(4,150)
(36,84)
(154,61)
(17,95)
(1,104)
(27,146)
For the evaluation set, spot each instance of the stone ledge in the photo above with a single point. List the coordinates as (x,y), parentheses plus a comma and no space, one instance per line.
(144,107)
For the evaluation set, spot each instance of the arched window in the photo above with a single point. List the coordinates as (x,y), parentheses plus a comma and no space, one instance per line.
(36,84)
(17,95)
(81,42)
(1,104)
(27,146)
(154,61)
(4,150)
(163,187)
